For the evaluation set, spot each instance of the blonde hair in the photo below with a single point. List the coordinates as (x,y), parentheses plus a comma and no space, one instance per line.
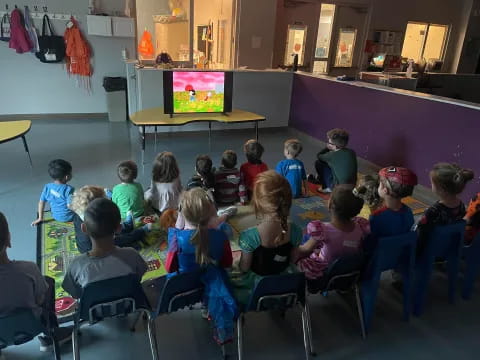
(195,205)
(293,146)
(451,178)
(84,196)
(272,195)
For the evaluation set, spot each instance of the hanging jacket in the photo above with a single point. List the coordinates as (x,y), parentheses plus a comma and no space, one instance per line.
(19,38)
(32,32)
(77,54)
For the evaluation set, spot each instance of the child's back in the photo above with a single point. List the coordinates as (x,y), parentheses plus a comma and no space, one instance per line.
(58,197)
(128,195)
(292,168)
(249,170)
(388,222)
(227,181)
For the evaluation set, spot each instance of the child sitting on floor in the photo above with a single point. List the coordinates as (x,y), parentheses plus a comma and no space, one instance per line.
(165,188)
(292,168)
(336,163)
(249,170)
(80,201)
(343,235)
(105,260)
(448,182)
(473,220)
(367,190)
(23,287)
(269,248)
(228,189)
(394,217)
(128,195)
(204,176)
(58,193)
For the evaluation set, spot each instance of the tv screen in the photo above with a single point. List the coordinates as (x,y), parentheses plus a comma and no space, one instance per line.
(197,92)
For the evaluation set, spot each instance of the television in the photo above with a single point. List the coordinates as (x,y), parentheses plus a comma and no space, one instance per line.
(186,92)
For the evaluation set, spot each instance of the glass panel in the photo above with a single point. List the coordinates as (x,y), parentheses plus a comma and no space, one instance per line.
(214,16)
(296,35)
(172,31)
(435,43)
(320,67)
(414,39)
(345,47)
(324,35)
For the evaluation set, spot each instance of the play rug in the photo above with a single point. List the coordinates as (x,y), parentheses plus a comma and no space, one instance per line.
(56,248)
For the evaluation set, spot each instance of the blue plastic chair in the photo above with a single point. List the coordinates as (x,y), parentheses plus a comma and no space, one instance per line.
(471,255)
(343,274)
(179,291)
(391,253)
(117,297)
(22,326)
(444,242)
(278,292)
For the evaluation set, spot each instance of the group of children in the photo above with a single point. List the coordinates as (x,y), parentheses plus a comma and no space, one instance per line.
(197,235)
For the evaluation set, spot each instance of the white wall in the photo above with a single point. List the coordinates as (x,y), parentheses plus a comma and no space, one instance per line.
(31,87)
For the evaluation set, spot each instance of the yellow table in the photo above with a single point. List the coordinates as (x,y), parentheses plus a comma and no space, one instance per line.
(156,117)
(11,130)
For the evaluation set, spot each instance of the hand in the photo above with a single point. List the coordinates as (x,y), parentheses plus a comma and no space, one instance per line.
(36,222)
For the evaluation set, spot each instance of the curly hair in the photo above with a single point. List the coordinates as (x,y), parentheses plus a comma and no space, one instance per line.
(367,190)
(272,195)
(84,196)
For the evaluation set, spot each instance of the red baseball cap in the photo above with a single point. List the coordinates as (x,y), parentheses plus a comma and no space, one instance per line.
(399,175)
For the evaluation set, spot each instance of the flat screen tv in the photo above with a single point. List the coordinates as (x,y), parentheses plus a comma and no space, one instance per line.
(186,92)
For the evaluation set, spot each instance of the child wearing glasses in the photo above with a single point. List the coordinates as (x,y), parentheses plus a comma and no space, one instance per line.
(336,164)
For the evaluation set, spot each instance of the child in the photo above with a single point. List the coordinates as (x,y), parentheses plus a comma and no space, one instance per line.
(80,201)
(248,171)
(105,260)
(228,189)
(128,195)
(165,188)
(197,244)
(269,248)
(342,236)
(367,190)
(394,217)
(473,220)
(336,163)
(204,175)
(448,182)
(58,193)
(23,287)
(292,168)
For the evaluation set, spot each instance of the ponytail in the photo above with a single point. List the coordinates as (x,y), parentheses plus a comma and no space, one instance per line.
(200,242)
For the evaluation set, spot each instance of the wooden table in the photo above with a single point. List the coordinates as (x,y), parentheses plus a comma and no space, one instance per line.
(156,117)
(11,130)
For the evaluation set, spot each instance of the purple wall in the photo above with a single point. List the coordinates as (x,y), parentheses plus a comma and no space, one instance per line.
(390,129)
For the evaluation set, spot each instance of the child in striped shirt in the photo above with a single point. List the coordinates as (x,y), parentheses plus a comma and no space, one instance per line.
(228,188)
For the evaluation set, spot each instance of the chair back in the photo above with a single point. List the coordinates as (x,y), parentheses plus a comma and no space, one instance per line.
(344,272)
(180,291)
(445,241)
(277,291)
(110,298)
(19,327)
(392,252)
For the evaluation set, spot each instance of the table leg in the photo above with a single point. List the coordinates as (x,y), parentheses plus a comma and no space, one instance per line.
(256,130)
(26,149)
(143,144)
(209,136)
(155,138)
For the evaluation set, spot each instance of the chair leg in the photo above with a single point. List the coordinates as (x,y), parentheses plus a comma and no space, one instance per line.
(138,316)
(240,336)
(368,296)
(152,338)
(305,335)
(453,266)
(471,273)
(309,328)
(75,345)
(360,311)
(56,349)
(423,275)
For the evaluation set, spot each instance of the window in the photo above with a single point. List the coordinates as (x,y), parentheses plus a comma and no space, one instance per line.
(424,41)
(296,36)
(345,47)
(324,35)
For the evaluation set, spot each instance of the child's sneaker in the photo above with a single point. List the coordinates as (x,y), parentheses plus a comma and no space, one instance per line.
(62,334)
(229,211)
(325,191)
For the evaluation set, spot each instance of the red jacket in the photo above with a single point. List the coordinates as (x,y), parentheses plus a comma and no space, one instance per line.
(19,39)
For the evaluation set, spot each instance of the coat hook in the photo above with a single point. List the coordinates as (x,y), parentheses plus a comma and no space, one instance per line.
(35,8)
(45,9)
(6,7)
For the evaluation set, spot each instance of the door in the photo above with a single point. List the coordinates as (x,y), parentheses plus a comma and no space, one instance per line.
(348,38)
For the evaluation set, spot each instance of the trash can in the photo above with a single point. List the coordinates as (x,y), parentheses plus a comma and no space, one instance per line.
(116,88)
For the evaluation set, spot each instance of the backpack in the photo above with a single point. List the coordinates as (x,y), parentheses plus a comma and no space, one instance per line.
(5,28)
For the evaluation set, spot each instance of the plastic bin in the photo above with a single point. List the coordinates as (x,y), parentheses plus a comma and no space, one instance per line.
(116,94)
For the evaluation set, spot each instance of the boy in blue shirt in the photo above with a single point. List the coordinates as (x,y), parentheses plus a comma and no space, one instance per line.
(394,218)
(292,168)
(58,193)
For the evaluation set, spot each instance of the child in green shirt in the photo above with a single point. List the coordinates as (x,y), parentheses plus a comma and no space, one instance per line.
(128,195)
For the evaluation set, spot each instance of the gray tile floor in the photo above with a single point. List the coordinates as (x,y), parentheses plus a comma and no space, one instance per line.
(95,147)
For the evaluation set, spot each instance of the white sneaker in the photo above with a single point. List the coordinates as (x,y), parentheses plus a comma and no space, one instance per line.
(325,191)
(229,211)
